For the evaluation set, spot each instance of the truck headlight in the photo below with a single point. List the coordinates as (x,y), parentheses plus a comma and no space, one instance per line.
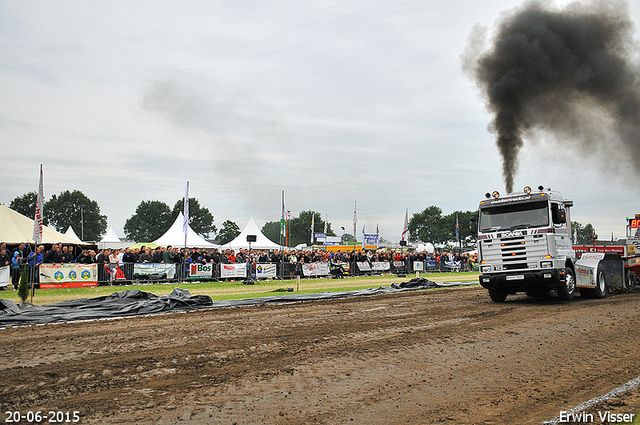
(546,264)
(485,269)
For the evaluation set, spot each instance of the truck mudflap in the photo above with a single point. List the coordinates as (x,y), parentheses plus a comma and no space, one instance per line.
(523,281)
(590,263)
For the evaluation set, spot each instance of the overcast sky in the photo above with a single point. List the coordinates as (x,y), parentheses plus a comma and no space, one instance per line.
(331,101)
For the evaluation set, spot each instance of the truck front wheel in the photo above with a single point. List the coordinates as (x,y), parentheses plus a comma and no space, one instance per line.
(497,295)
(568,290)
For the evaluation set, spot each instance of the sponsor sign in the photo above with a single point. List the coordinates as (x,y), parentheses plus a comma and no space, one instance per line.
(265,271)
(233,270)
(418,266)
(201,271)
(606,249)
(155,269)
(380,266)
(68,275)
(364,266)
(315,269)
(5,276)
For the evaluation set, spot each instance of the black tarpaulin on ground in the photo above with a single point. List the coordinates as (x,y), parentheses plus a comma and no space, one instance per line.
(133,302)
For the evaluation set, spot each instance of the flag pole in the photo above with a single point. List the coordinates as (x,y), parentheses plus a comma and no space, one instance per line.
(37,226)
(185,222)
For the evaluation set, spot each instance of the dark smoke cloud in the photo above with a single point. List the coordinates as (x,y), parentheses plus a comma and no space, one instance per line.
(572,73)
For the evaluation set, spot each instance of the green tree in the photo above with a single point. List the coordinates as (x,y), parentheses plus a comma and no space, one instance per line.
(26,205)
(428,226)
(271,230)
(585,233)
(228,232)
(200,218)
(347,237)
(150,221)
(64,210)
(23,285)
(300,227)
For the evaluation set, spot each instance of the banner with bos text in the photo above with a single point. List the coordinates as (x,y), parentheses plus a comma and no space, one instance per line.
(315,269)
(265,271)
(5,276)
(233,270)
(68,275)
(201,271)
(380,266)
(148,269)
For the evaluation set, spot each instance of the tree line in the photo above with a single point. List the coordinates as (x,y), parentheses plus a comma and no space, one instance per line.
(152,219)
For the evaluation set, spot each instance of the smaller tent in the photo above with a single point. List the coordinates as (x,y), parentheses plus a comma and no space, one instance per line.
(111,240)
(72,234)
(262,242)
(175,237)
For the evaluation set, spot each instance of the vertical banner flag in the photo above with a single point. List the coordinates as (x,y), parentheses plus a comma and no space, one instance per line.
(457,228)
(313,216)
(405,228)
(377,235)
(363,237)
(185,222)
(37,221)
(355,220)
(282,222)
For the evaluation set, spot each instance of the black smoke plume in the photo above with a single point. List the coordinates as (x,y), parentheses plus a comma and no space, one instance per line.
(572,73)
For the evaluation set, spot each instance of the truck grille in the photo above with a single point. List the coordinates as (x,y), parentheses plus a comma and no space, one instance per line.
(514,253)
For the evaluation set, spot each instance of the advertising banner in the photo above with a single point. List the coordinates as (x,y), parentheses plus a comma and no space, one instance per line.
(380,266)
(233,270)
(364,266)
(5,276)
(148,269)
(315,269)
(68,275)
(265,271)
(201,271)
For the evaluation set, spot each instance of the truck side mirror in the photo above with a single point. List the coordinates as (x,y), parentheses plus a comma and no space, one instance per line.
(559,216)
(473,224)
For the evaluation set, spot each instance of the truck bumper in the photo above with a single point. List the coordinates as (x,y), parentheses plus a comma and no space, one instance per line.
(524,281)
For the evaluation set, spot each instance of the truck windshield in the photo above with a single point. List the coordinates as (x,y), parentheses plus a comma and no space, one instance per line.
(514,216)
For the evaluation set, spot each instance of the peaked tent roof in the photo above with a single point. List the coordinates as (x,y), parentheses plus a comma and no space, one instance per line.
(175,237)
(72,234)
(262,242)
(110,236)
(16,228)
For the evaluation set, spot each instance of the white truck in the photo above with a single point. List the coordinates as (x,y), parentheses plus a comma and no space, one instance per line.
(524,244)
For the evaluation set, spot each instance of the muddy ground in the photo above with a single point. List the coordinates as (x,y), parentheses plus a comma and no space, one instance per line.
(421,357)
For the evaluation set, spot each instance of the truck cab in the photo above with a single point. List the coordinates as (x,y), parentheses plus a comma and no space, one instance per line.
(524,244)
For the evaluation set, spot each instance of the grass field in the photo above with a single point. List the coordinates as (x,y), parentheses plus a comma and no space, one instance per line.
(237,290)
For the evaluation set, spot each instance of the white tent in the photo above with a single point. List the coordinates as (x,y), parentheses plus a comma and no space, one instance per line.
(262,242)
(72,234)
(111,240)
(16,228)
(110,236)
(175,237)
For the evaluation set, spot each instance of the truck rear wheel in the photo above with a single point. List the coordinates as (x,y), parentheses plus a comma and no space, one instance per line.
(568,290)
(497,295)
(601,284)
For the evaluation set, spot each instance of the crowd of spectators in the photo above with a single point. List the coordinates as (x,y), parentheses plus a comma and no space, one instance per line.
(111,259)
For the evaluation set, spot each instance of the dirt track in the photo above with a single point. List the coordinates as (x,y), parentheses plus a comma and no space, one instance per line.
(437,356)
